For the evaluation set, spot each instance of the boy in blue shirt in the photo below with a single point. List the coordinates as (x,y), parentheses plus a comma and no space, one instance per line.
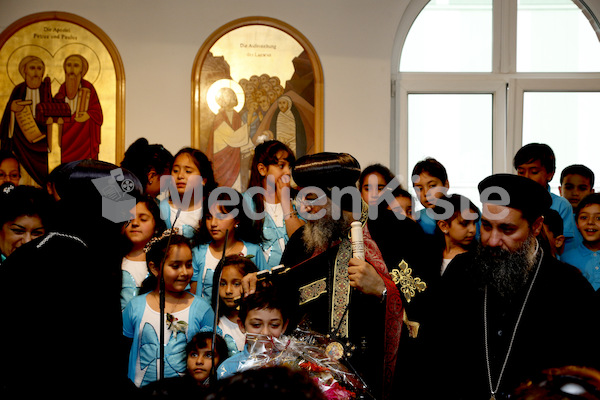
(430,182)
(586,256)
(576,182)
(261,313)
(537,162)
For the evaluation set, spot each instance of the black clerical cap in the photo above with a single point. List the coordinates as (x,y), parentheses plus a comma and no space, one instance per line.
(326,171)
(518,192)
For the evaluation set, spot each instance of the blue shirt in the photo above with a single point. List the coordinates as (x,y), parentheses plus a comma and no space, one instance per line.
(146,343)
(271,234)
(204,286)
(232,365)
(586,260)
(129,289)
(565,210)
(187,231)
(426,222)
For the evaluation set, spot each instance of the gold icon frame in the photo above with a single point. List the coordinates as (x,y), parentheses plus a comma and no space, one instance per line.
(52,35)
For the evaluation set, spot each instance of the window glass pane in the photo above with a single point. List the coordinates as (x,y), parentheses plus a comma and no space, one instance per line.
(450,36)
(567,122)
(555,36)
(456,130)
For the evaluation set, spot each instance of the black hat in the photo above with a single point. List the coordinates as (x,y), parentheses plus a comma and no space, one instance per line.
(326,171)
(518,192)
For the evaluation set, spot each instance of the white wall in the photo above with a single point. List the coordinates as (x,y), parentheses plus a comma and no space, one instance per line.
(158,41)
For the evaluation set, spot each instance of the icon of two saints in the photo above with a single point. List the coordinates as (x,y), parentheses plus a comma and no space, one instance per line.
(26,124)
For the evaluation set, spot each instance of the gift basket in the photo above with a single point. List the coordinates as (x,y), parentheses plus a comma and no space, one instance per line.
(321,357)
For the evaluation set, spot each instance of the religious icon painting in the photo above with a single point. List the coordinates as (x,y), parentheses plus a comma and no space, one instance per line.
(61,93)
(255,79)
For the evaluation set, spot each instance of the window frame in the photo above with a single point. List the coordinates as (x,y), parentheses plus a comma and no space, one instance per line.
(503,82)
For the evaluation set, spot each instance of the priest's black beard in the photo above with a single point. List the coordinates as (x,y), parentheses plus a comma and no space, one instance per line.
(320,233)
(505,271)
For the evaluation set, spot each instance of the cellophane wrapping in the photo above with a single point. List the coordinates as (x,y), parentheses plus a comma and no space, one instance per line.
(311,352)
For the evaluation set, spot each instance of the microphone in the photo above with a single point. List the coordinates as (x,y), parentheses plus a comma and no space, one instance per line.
(217,302)
(161,295)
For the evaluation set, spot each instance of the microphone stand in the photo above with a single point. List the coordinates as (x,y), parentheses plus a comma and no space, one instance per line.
(217,300)
(161,295)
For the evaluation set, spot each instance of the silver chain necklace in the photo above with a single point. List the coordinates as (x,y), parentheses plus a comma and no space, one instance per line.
(512,339)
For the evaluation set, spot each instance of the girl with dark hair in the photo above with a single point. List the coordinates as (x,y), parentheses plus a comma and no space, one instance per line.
(193,179)
(456,227)
(169,255)
(138,232)
(224,220)
(200,360)
(148,162)
(227,288)
(269,192)
(373,179)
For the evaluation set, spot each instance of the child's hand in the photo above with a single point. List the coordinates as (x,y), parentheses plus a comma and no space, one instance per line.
(283,182)
(363,277)
(282,187)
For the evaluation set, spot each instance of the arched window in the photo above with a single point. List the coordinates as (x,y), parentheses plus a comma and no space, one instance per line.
(477,79)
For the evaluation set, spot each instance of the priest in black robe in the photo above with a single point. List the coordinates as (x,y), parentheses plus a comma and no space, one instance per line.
(507,311)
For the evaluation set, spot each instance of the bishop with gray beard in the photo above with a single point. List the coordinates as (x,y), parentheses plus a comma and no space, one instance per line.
(506,311)
(352,299)
(320,233)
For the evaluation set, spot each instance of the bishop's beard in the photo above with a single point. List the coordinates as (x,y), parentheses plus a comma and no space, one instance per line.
(72,85)
(505,271)
(320,233)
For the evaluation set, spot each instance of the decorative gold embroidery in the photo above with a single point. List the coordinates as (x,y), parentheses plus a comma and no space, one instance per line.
(312,290)
(408,285)
(341,289)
